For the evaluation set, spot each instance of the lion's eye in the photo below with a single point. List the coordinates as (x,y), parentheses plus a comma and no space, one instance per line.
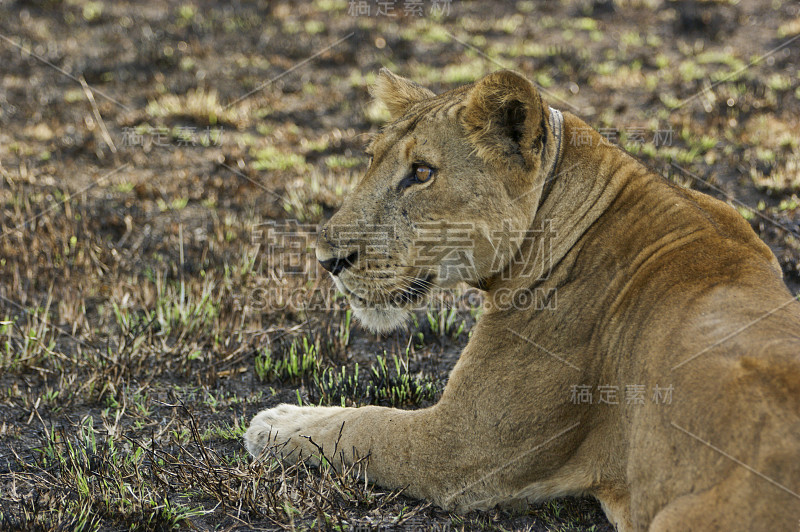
(423,173)
(420,173)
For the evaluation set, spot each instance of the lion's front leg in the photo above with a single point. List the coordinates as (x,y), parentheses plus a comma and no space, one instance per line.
(433,453)
(343,435)
(414,450)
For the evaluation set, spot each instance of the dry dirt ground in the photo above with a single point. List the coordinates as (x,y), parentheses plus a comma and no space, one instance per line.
(163,166)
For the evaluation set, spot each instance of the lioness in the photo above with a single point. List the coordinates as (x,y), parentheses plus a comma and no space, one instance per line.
(649,287)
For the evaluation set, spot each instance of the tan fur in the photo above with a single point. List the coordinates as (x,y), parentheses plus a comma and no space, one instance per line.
(397,93)
(651,285)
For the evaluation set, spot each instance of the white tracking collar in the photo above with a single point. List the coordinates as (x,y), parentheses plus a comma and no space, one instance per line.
(557,125)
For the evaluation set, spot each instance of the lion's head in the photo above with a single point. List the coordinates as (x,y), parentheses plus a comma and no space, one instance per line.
(452,186)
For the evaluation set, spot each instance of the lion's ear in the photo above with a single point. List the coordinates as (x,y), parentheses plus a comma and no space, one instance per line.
(397,93)
(503,118)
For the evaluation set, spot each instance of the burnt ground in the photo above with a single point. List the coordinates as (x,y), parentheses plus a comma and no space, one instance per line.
(163,166)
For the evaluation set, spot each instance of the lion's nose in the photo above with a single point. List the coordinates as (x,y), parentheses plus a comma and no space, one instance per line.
(336,265)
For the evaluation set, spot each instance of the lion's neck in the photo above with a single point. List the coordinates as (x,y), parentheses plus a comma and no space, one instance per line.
(587,178)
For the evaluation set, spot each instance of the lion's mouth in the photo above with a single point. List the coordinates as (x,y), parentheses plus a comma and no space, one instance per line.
(413,294)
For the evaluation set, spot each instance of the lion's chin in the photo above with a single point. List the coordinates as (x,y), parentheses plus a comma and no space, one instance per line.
(389,315)
(381,319)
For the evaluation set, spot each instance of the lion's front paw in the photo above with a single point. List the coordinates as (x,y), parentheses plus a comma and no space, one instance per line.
(294,428)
